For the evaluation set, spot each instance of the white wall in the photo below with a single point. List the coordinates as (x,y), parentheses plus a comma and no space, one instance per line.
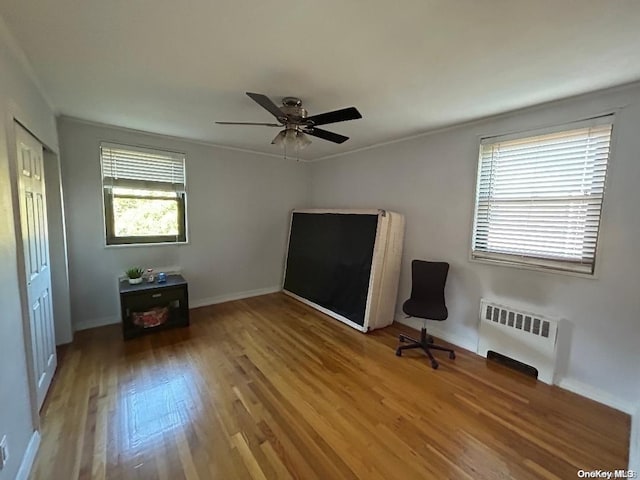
(431,179)
(57,250)
(238,207)
(634,447)
(19,97)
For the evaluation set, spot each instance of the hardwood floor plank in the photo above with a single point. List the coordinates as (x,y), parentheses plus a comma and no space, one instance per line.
(279,468)
(268,388)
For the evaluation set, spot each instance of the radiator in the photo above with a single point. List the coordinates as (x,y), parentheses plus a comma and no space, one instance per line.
(527,337)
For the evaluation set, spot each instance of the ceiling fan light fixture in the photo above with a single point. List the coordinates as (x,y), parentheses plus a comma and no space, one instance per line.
(279,138)
(302,141)
(291,138)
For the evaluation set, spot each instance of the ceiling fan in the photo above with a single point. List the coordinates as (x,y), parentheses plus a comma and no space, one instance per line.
(297,124)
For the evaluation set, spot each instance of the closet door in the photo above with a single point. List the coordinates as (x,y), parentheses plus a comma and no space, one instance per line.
(35,243)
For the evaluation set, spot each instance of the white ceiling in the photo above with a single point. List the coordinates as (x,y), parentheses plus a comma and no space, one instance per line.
(175,67)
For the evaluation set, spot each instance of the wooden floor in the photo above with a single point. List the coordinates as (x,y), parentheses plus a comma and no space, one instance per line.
(269,388)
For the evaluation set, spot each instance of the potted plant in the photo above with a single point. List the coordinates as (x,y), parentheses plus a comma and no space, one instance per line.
(135,275)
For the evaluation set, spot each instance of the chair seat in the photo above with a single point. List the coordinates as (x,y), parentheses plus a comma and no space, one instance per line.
(427,310)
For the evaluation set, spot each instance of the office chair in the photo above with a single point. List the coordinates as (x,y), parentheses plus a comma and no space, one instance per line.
(426,302)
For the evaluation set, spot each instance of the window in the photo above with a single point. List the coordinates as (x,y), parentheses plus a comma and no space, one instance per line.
(539,197)
(144,195)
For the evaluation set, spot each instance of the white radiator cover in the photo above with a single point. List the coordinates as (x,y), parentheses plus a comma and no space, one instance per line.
(524,336)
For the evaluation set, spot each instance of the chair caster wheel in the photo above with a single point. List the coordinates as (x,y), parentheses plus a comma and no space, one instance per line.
(430,339)
(452,356)
(401,339)
(434,364)
(398,353)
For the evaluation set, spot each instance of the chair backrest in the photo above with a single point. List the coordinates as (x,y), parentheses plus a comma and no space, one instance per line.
(428,280)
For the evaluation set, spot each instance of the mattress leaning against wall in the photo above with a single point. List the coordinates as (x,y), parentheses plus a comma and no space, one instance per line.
(346,263)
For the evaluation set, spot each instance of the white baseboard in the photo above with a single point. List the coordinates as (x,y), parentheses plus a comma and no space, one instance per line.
(595,394)
(634,444)
(202,302)
(101,322)
(570,384)
(96,322)
(29,457)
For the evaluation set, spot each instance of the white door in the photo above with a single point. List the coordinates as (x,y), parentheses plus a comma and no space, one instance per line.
(35,242)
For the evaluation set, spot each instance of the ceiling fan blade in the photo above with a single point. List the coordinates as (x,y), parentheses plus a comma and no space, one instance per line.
(326,135)
(350,113)
(251,123)
(266,103)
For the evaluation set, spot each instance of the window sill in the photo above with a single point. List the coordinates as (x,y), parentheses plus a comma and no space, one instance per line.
(532,267)
(157,244)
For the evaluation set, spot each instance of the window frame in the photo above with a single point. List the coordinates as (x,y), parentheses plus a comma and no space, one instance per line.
(530,262)
(111,240)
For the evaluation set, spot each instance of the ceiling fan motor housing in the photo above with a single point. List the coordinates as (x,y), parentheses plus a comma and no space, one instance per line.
(292,107)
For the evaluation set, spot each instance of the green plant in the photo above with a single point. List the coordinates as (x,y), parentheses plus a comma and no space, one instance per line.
(134,272)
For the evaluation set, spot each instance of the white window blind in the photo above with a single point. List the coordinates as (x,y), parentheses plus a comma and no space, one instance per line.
(539,198)
(134,167)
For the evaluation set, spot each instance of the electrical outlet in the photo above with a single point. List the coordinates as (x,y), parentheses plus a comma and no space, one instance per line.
(4,452)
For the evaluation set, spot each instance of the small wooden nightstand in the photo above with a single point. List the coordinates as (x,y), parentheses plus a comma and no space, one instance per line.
(150,307)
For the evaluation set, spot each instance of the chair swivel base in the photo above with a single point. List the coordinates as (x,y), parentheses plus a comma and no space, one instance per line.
(426,344)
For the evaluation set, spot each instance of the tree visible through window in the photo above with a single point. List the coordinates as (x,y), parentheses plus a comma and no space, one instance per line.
(539,197)
(145,213)
(144,195)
